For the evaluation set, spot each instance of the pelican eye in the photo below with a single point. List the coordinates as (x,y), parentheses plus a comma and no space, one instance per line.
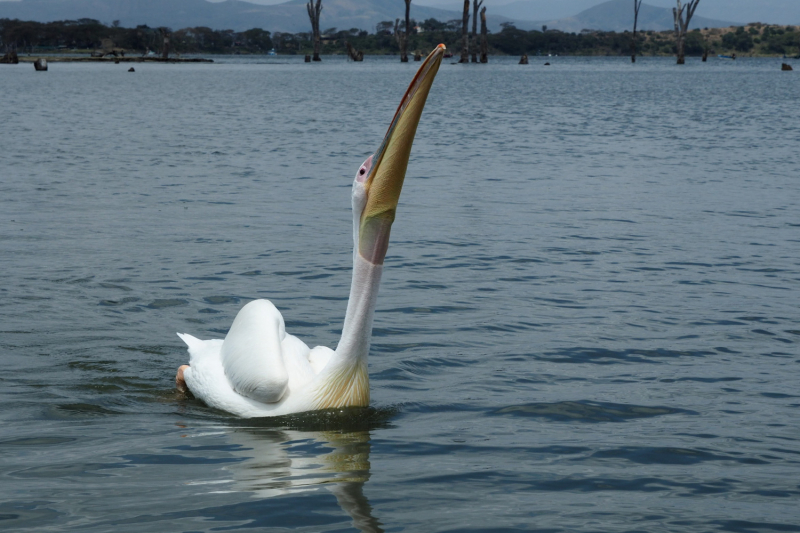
(361,172)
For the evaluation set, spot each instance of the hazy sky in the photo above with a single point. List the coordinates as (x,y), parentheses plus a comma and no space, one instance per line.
(771,11)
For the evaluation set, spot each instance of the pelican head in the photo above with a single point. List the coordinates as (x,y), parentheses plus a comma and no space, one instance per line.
(377,186)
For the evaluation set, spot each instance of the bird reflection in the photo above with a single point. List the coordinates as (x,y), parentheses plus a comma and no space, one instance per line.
(277,462)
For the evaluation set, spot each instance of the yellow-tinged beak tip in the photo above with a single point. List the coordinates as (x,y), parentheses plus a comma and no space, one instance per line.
(391,160)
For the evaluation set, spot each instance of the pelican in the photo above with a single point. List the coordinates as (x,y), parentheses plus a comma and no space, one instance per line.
(259,370)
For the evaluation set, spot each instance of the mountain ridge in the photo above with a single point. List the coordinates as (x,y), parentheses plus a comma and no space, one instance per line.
(237,15)
(291,16)
(617,15)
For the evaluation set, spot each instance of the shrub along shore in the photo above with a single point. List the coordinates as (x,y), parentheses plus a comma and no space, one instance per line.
(86,35)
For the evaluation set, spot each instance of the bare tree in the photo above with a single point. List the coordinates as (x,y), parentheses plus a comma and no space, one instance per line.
(476,5)
(484,41)
(636,5)
(705,48)
(402,35)
(165,33)
(681,25)
(404,56)
(465,34)
(313,14)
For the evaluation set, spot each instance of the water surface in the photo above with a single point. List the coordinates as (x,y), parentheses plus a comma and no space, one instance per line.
(588,320)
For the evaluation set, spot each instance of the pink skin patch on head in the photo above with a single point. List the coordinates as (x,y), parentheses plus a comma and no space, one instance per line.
(363,172)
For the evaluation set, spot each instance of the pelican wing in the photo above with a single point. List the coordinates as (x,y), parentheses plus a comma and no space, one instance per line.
(252,355)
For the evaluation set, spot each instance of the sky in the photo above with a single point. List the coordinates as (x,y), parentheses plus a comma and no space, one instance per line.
(769,11)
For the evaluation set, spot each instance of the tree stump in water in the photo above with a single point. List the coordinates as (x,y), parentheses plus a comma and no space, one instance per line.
(313,14)
(355,55)
(131,69)
(402,36)
(484,42)
(10,57)
(464,34)
(308,59)
(786,66)
(547,64)
(40,65)
(417,56)
(682,26)
(476,5)
(524,59)
(637,5)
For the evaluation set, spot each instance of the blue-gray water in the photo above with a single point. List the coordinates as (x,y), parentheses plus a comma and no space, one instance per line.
(588,322)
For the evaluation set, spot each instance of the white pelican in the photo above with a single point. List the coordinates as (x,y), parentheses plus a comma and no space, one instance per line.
(259,369)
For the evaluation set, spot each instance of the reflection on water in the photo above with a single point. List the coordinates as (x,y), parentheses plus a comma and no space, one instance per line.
(278,462)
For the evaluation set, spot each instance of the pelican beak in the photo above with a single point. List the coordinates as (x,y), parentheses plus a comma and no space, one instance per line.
(389,165)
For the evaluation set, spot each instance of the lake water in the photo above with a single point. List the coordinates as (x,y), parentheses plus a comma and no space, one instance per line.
(588,322)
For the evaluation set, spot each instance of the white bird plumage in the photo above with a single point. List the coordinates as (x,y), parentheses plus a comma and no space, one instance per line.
(259,369)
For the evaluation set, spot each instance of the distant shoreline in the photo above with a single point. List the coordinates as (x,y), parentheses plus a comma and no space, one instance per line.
(78,59)
(32,58)
(89,35)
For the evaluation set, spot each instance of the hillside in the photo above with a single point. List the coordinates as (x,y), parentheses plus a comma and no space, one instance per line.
(231,14)
(291,16)
(617,15)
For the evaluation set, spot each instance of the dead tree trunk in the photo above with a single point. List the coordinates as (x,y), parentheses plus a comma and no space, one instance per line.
(476,5)
(355,55)
(465,34)
(313,14)
(484,40)
(636,5)
(682,26)
(402,41)
(404,51)
(705,49)
(165,45)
